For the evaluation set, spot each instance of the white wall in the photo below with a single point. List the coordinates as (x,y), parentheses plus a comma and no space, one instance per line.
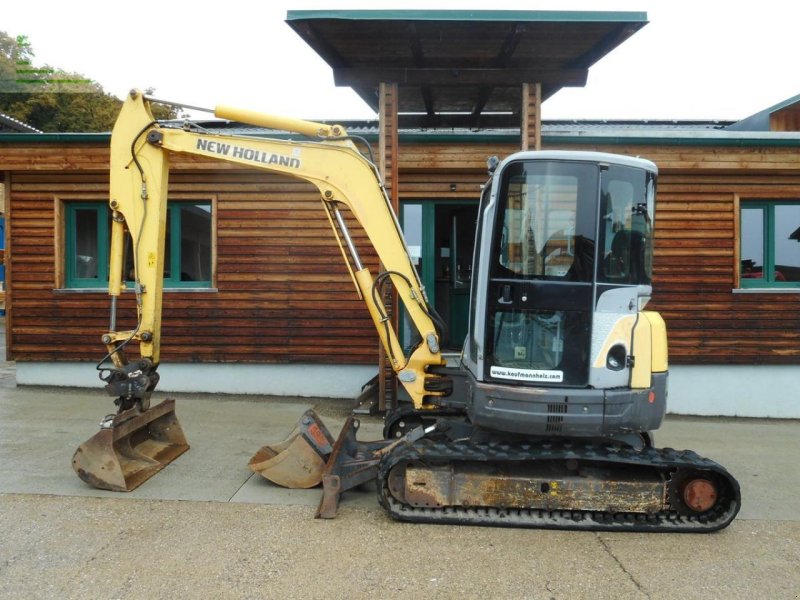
(321,381)
(735,391)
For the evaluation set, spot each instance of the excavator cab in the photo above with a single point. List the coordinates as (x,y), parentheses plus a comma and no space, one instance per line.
(561,278)
(565,371)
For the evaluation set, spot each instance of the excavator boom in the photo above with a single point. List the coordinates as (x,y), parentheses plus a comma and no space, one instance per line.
(346,180)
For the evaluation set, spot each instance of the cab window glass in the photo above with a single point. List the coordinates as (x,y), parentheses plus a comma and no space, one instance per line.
(626,226)
(546,223)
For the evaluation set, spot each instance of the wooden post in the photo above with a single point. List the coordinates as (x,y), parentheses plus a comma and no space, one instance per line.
(7,256)
(531,116)
(388,142)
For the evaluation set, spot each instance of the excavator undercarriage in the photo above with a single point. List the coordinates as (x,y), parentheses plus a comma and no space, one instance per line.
(556,485)
(451,472)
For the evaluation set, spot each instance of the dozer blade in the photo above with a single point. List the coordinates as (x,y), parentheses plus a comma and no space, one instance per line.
(299,460)
(351,464)
(131,448)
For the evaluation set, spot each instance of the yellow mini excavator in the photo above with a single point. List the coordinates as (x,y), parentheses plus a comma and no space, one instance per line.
(546,422)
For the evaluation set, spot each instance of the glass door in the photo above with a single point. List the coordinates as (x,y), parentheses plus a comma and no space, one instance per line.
(441,237)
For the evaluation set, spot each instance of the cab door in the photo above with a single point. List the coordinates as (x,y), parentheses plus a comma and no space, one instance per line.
(540,296)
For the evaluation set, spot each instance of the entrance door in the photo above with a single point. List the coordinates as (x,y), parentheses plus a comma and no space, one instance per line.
(441,239)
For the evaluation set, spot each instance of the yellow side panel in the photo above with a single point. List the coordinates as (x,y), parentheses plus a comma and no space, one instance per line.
(658,333)
(649,346)
(641,374)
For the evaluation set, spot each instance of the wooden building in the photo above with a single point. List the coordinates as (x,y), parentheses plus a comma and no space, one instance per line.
(259,301)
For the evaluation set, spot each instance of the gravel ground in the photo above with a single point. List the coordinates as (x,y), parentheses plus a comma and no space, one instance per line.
(67,547)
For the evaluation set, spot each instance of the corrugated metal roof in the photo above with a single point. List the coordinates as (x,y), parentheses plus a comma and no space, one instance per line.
(666,132)
(578,125)
(12,124)
(555,127)
(760,120)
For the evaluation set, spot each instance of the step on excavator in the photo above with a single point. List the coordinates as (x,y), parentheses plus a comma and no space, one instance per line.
(547,420)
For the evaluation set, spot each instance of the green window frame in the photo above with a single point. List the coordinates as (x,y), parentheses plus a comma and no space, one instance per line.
(769,244)
(86,255)
(87,240)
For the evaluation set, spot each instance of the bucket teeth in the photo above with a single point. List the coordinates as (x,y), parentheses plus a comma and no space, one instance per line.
(130,449)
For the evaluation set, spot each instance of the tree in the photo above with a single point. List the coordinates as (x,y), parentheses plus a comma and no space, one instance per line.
(52,99)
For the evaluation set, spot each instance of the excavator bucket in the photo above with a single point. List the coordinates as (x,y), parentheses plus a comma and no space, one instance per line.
(131,448)
(310,456)
(299,460)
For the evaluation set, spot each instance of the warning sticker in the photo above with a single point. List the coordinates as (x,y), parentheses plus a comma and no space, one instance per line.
(527,374)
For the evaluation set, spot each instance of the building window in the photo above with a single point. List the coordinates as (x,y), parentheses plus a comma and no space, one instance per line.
(770,244)
(188,259)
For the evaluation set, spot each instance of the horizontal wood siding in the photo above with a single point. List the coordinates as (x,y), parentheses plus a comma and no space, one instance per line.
(695,253)
(284,294)
(695,273)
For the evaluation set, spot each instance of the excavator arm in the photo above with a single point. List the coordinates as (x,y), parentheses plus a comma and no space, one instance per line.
(140,150)
(138,441)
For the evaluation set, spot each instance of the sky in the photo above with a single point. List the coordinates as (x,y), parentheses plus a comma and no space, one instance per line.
(695,59)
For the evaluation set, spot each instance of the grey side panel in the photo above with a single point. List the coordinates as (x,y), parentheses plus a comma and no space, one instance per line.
(637,410)
(568,412)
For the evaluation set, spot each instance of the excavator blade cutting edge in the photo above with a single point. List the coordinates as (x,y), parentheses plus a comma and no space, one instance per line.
(298,461)
(131,448)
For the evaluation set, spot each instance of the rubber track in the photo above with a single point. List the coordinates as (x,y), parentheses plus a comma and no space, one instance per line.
(666,460)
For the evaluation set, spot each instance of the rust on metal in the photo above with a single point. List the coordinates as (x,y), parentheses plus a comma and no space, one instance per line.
(351,464)
(700,495)
(529,487)
(136,446)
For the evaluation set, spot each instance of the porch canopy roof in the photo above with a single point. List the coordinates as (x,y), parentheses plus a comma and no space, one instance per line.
(461,68)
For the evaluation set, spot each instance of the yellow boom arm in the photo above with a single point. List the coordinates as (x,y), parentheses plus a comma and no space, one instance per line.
(140,150)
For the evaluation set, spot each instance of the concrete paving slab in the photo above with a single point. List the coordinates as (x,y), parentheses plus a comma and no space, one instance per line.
(749,559)
(248,538)
(40,428)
